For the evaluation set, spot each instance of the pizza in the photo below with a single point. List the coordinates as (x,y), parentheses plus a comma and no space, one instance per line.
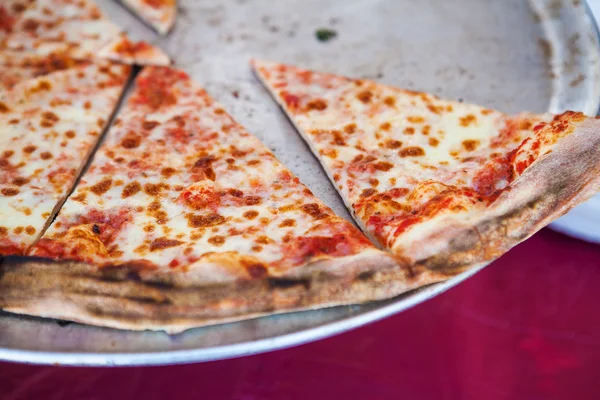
(69,28)
(48,127)
(18,66)
(160,14)
(185,219)
(444,185)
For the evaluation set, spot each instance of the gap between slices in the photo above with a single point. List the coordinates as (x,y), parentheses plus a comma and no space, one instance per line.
(67,29)
(49,127)
(185,219)
(443,185)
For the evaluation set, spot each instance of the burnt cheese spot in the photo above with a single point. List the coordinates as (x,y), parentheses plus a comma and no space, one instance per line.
(149,125)
(101,187)
(415,119)
(18,230)
(163,243)
(70,134)
(350,128)
(383,166)
(409,130)
(338,139)
(468,120)
(373,182)
(168,172)
(525,125)
(313,210)
(368,192)
(29,149)
(433,142)
(154,206)
(154,189)
(365,96)
(385,126)
(46,155)
(317,104)
(251,214)
(216,240)
(4,108)
(131,141)
(389,101)
(20,181)
(9,192)
(30,230)
(287,223)
(413,151)
(3,231)
(49,119)
(393,144)
(235,193)
(426,130)
(263,240)
(252,200)
(204,221)
(30,24)
(130,189)
(470,145)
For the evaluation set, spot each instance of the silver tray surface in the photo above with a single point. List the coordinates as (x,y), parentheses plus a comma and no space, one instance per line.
(513,55)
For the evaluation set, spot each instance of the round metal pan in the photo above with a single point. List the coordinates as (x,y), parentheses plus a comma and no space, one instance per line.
(512,55)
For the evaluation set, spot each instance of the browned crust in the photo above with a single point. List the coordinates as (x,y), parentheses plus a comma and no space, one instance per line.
(549,188)
(123,298)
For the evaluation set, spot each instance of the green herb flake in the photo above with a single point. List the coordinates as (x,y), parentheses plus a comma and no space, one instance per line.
(325,35)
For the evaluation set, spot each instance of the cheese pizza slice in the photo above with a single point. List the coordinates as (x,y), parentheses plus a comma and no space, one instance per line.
(48,126)
(160,14)
(442,184)
(74,28)
(185,219)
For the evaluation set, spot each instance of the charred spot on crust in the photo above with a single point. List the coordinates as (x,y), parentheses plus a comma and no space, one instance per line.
(257,270)
(282,283)
(365,276)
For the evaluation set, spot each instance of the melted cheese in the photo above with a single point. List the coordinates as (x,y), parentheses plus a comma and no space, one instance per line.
(77,29)
(401,159)
(179,185)
(47,128)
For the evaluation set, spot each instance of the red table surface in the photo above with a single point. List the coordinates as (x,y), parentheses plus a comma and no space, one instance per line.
(526,327)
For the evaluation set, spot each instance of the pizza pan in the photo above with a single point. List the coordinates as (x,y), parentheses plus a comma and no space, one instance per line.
(513,55)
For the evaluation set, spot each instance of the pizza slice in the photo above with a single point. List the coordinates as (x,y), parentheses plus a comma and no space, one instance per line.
(442,184)
(160,14)
(76,29)
(48,126)
(185,219)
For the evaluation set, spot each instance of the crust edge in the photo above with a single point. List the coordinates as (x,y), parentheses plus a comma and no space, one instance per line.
(125,300)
